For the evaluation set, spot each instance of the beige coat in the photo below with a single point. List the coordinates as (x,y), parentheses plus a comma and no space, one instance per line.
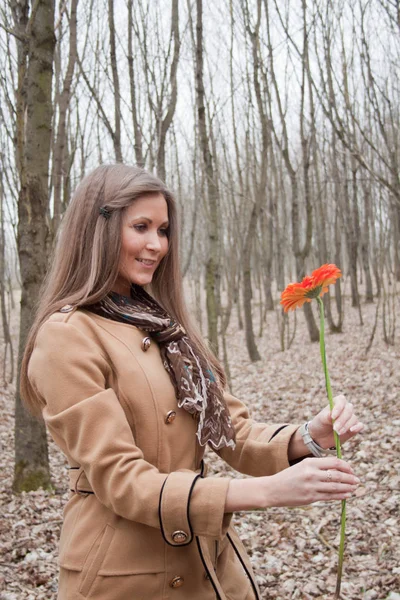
(142,520)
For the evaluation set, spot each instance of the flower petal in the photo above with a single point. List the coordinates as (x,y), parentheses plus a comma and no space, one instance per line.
(296,294)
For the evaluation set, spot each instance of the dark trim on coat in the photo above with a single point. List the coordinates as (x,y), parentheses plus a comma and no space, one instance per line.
(187,515)
(249,575)
(276,432)
(210,577)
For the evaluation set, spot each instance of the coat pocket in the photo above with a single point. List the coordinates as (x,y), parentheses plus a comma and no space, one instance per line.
(133,549)
(95,558)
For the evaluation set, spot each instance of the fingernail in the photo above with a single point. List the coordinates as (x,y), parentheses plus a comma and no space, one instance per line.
(336,428)
(357,480)
(356,426)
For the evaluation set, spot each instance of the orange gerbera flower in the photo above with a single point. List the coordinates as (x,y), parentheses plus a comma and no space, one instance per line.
(296,294)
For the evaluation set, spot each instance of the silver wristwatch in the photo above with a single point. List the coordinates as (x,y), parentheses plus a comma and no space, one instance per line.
(312,445)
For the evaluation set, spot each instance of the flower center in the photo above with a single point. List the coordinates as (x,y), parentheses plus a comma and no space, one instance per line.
(314,293)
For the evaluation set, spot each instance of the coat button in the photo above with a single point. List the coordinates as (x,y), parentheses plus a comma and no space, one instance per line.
(179,537)
(170,418)
(146,342)
(176,582)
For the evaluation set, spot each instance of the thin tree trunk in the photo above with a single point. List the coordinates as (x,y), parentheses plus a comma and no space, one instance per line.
(31,456)
(132,88)
(365,243)
(212,265)
(8,344)
(115,76)
(59,152)
(247,287)
(166,122)
(300,251)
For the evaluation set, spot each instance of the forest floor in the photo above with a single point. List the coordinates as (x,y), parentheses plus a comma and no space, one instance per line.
(293,551)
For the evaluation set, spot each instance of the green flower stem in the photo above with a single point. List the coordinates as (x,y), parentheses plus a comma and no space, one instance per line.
(337,444)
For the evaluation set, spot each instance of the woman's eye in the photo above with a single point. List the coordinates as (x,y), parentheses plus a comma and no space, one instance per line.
(164,231)
(140,227)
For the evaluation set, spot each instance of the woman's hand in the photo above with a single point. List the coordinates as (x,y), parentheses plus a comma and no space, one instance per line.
(311,480)
(342,419)
(308,481)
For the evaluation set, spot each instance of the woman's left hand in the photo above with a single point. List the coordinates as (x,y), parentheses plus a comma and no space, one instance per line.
(342,419)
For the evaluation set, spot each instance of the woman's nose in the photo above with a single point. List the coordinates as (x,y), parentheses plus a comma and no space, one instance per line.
(153,241)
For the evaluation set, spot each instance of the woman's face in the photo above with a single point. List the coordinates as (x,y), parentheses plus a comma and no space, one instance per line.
(144,241)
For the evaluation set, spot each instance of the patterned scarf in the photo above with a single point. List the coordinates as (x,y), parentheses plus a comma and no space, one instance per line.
(196,388)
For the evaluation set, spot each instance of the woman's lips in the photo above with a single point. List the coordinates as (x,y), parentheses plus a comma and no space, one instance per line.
(147,263)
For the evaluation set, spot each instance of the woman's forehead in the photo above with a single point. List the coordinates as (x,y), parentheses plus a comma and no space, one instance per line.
(150,206)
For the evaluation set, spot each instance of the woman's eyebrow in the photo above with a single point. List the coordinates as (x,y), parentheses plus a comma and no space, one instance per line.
(145,218)
(166,223)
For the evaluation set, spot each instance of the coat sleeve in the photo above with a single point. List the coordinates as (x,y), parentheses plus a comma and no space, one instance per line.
(261,449)
(86,420)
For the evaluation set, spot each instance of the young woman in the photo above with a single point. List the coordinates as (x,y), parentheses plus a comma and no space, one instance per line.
(131,394)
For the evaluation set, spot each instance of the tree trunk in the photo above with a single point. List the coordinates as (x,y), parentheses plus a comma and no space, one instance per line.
(165,123)
(247,287)
(115,76)
(5,318)
(212,265)
(365,242)
(132,87)
(395,208)
(31,456)
(59,152)
(353,237)
(300,251)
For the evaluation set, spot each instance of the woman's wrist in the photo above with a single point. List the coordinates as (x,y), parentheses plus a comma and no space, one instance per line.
(297,448)
(248,494)
(314,435)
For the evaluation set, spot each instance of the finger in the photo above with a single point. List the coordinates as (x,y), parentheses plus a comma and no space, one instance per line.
(331,462)
(346,415)
(351,429)
(339,402)
(346,431)
(351,422)
(336,488)
(331,476)
(357,428)
(330,497)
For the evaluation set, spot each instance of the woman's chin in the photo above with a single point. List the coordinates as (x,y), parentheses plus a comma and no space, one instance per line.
(142,280)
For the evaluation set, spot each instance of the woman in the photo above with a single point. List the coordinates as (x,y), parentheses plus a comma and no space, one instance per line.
(131,395)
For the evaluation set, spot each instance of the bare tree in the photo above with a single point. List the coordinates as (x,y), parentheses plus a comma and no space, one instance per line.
(36,42)
(116,86)
(60,166)
(5,316)
(300,251)
(212,266)
(137,132)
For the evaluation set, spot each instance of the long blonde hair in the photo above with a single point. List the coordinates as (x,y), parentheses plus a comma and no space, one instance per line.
(85,263)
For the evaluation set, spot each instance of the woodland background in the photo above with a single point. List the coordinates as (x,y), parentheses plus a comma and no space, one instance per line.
(277,126)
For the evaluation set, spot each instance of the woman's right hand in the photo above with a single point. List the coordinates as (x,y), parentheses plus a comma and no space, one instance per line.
(311,480)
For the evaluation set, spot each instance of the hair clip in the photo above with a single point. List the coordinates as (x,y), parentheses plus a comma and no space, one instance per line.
(104,212)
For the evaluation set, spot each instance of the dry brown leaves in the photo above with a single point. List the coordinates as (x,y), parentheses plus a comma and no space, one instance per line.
(293,551)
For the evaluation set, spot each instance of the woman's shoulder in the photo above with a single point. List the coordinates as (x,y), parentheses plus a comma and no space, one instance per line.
(70,316)
(80,322)
(67,338)
(69,324)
